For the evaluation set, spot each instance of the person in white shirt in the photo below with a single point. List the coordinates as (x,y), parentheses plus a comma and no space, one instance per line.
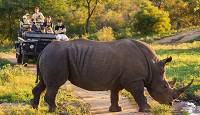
(38,17)
(62,37)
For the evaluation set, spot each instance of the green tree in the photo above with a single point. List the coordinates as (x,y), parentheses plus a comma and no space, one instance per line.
(183,13)
(150,20)
(55,8)
(117,15)
(10,14)
(90,6)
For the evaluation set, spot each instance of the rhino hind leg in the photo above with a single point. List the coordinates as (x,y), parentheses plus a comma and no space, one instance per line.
(137,91)
(114,100)
(50,97)
(37,90)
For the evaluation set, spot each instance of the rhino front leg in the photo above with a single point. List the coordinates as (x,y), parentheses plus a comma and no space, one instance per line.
(50,97)
(114,100)
(137,91)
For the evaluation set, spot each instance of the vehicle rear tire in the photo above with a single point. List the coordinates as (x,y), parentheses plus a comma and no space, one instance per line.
(19,59)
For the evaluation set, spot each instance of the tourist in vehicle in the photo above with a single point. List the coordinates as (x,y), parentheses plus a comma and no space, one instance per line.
(38,16)
(48,22)
(34,26)
(26,19)
(25,23)
(29,29)
(60,28)
(49,30)
(42,30)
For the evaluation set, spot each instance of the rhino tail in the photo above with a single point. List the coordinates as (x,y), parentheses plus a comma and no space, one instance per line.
(38,69)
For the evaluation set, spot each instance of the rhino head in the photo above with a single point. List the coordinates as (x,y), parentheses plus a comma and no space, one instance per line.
(161,90)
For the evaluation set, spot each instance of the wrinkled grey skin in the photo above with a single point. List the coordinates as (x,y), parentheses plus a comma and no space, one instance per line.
(99,66)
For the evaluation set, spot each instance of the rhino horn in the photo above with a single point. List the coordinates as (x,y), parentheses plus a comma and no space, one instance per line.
(172,83)
(181,90)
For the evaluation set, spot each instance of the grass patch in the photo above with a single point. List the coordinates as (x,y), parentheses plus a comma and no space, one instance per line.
(16,84)
(161,109)
(7,49)
(3,62)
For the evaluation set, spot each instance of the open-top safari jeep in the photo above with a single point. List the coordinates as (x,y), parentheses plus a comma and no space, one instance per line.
(30,44)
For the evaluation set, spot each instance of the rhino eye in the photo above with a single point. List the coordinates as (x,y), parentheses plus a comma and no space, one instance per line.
(165,86)
(162,72)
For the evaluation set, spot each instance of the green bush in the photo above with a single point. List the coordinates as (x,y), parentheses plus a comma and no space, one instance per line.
(124,33)
(151,20)
(113,19)
(105,34)
(92,37)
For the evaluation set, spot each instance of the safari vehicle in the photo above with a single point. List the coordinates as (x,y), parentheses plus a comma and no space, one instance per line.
(30,44)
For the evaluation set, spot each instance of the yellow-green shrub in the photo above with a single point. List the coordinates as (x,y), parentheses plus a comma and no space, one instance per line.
(105,34)
(6,42)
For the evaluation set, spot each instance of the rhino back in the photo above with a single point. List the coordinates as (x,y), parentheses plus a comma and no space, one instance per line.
(102,65)
(93,65)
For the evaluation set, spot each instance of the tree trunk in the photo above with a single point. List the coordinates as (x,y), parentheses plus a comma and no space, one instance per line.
(90,12)
(10,23)
(87,25)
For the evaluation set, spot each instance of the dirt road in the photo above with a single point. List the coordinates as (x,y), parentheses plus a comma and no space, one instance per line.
(181,37)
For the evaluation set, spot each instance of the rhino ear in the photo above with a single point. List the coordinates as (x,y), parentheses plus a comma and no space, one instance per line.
(164,61)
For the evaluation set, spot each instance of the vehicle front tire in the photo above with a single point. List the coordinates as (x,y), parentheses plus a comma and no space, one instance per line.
(19,59)
(24,59)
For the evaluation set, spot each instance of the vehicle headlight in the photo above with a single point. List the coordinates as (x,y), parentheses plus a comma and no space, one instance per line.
(31,46)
